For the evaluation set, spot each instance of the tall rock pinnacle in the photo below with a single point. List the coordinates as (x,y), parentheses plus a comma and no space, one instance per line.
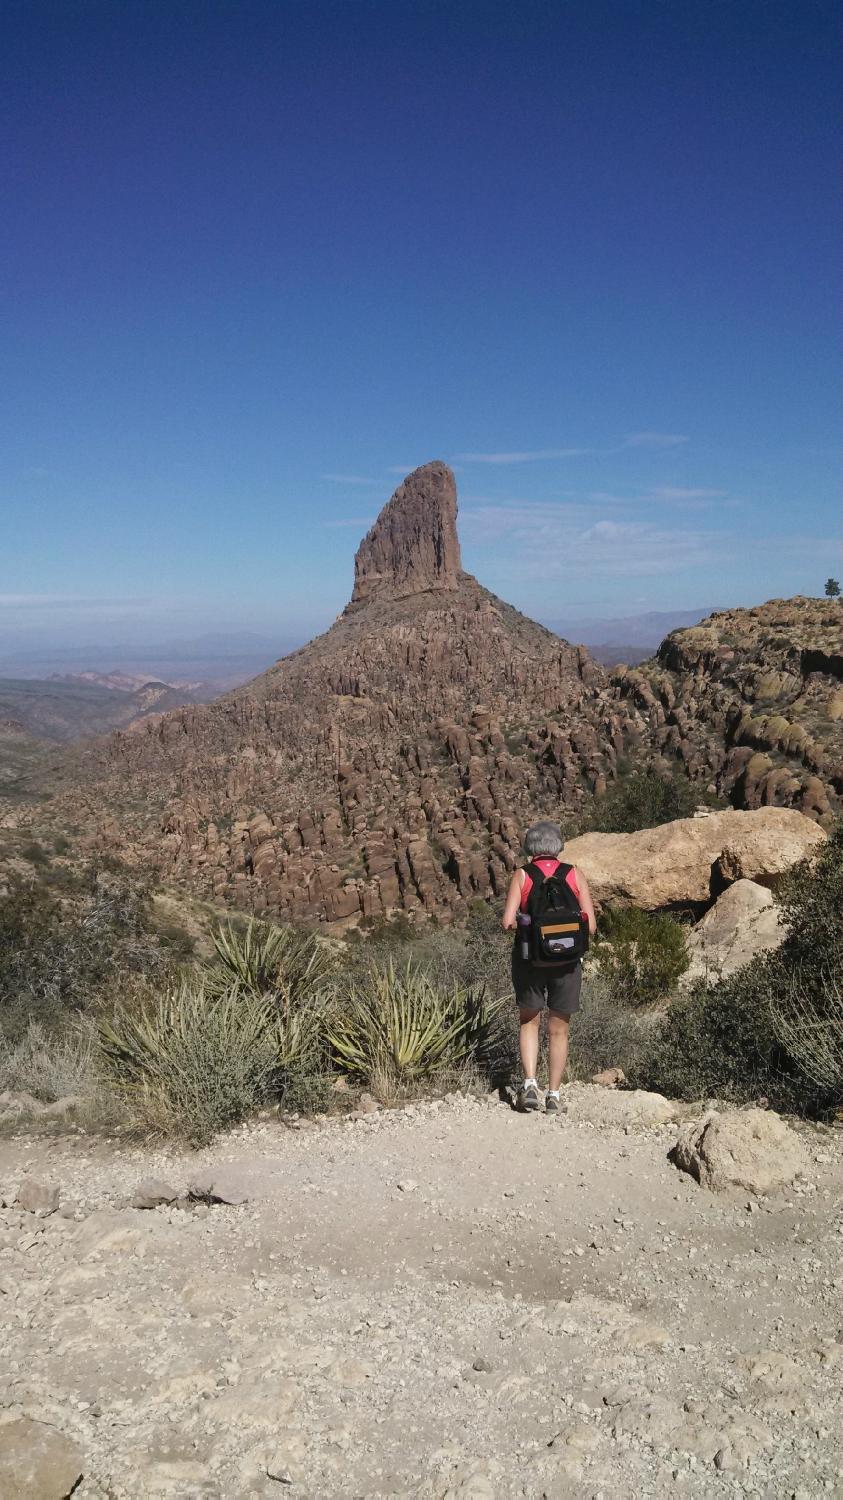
(413,546)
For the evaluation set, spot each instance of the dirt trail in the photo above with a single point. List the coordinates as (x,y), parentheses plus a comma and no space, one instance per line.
(449,1300)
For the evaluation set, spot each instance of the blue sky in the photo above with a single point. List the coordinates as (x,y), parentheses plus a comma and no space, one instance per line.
(259,259)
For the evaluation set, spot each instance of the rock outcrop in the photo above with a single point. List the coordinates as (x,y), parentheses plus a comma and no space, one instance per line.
(742,923)
(751,1149)
(413,546)
(392,763)
(752,700)
(686,863)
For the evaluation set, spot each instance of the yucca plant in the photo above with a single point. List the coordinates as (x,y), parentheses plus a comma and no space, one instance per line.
(396,1024)
(191,1062)
(266,959)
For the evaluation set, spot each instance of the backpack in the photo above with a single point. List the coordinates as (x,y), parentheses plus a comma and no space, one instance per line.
(558,929)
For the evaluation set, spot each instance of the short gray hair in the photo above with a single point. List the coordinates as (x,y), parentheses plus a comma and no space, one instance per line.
(544,838)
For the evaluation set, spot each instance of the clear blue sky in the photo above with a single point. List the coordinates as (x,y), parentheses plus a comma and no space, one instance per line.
(260,258)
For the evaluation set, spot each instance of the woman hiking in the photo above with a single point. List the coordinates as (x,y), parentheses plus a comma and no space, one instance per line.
(536,988)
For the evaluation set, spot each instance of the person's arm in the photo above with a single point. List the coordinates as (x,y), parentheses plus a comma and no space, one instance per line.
(513,901)
(586,903)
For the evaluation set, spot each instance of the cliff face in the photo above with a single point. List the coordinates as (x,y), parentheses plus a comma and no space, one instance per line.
(413,546)
(752,700)
(392,762)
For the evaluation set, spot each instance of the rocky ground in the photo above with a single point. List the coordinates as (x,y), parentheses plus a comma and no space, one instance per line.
(447,1300)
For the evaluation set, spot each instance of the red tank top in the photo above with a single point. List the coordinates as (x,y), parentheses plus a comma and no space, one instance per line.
(547,867)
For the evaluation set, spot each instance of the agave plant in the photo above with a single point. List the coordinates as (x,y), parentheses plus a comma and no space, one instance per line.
(397,1023)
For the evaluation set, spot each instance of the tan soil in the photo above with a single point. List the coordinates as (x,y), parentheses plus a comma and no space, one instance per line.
(446,1300)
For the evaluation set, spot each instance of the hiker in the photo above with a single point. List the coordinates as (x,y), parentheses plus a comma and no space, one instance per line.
(545,978)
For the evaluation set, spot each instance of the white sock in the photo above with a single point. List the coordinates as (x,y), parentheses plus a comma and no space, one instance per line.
(530,1080)
(555,1092)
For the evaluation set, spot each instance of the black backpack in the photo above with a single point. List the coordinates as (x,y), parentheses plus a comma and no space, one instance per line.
(558,929)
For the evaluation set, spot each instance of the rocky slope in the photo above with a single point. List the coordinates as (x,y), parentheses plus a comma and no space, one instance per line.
(392,762)
(502,1305)
(752,700)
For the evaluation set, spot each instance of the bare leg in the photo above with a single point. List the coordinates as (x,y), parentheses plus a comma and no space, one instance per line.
(528,1041)
(557,1047)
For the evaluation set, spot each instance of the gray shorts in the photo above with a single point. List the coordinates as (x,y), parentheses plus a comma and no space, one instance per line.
(537,987)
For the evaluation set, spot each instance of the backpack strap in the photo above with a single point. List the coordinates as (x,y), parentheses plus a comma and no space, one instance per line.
(538,878)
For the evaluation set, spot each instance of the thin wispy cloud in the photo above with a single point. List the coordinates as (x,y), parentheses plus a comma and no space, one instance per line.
(655,439)
(67,601)
(671,492)
(525,456)
(591,549)
(661,494)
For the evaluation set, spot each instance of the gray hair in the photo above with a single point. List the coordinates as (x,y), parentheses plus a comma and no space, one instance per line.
(544,838)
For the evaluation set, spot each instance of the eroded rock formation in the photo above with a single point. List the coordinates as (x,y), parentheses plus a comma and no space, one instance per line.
(394,762)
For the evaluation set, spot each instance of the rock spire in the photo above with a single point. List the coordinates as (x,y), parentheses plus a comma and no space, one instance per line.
(413,546)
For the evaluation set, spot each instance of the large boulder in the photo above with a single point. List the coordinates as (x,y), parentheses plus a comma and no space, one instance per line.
(591,1104)
(37,1462)
(684,862)
(744,921)
(751,1149)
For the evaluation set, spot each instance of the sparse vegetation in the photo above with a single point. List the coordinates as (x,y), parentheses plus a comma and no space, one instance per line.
(607,1033)
(392,1028)
(641,955)
(190,1062)
(774,1028)
(643,799)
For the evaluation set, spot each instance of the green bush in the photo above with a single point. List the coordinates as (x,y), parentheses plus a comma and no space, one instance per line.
(644,799)
(58,958)
(190,1063)
(392,1028)
(774,1028)
(641,954)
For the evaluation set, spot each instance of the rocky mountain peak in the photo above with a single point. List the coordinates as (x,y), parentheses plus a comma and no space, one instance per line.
(413,546)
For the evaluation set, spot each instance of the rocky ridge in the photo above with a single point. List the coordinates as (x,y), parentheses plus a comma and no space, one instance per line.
(752,700)
(393,763)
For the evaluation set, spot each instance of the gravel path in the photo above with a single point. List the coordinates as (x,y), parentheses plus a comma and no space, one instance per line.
(448,1300)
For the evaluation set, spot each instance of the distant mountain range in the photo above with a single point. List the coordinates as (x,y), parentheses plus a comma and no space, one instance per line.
(69,708)
(628,638)
(213,662)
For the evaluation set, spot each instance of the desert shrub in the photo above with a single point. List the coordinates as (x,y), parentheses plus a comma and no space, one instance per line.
(190,1063)
(393,1028)
(641,954)
(643,799)
(50,1067)
(808,1021)
(772,1029)
(606,1033)
(58,958)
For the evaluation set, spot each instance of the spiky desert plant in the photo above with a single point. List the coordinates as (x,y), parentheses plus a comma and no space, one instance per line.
(191,1062)
(396,1024)
(267,959)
